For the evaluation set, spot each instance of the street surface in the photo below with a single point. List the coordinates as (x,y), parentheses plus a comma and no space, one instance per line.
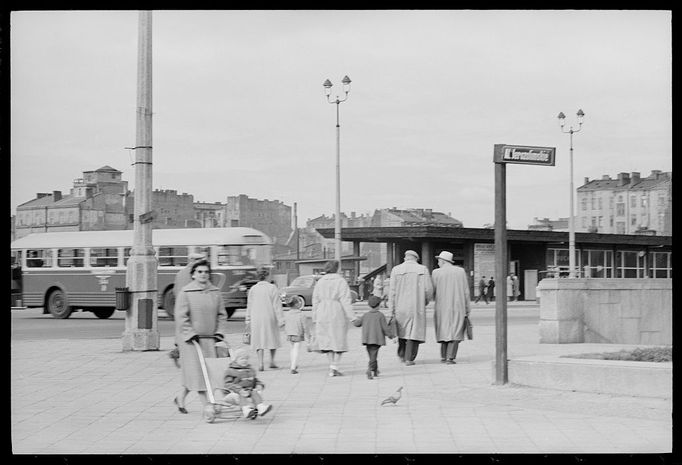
(32,324)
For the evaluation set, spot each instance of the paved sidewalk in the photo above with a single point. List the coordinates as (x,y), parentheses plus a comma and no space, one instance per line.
(87,397)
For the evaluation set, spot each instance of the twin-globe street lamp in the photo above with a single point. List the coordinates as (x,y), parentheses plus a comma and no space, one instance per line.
(337,224)
(571,217)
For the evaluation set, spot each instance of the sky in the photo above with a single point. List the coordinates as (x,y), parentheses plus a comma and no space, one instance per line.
(239,106)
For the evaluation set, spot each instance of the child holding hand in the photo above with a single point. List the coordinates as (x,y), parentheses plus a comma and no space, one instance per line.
(374,332)
(295,330)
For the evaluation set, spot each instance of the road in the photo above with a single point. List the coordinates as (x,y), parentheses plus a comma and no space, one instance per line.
(32,324)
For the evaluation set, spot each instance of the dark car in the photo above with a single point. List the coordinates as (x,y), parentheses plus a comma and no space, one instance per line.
(300,291)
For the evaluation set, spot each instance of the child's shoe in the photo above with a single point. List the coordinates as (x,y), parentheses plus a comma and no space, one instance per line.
(263,408)
(294,371)
(249,412)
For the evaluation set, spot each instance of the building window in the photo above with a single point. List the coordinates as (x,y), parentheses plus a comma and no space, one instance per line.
(599,221)
(611,202)
(660,264)
(629,264)
(644,200)
(584,203)
(599,202)
(633,201)
(620,227)
(584,222)
(611,221)
(620,209)
(633,220)
(597,263)
(661,200)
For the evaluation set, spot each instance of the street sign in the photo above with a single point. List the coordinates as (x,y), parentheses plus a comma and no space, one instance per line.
(524,154)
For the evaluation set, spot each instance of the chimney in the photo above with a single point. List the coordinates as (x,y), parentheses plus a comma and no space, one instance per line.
(88,192)
(623,179)
(634,178)
(427,212)
(352,215)
(587,180)
(606,177)
(655,174)
(56,196)
(40,195)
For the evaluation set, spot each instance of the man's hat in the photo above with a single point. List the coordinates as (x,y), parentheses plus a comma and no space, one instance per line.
(444,255)
(412,253)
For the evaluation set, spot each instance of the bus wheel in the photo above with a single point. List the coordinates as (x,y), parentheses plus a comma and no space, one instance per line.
(58,305)
(103,313)
(169,303)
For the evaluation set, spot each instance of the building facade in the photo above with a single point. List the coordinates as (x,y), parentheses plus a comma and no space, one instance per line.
(628,204)
(172,210)
(210,215)
(546,224)
(96,202)
(270,216)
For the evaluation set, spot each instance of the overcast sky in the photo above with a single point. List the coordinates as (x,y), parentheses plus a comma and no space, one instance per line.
(239,106)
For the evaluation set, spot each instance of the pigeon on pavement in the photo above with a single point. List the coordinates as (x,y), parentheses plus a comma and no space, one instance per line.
(393,398)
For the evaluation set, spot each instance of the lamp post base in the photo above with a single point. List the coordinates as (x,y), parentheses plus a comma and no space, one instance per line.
(140,339)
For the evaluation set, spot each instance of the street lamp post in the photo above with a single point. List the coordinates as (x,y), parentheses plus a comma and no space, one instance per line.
(337,223)
(571,216)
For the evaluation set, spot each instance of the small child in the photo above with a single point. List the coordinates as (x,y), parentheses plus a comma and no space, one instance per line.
(295,331)
(374,332)
(240,377)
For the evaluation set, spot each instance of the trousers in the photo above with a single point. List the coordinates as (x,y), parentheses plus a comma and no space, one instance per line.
(407,349)
(373,352)
(448,349)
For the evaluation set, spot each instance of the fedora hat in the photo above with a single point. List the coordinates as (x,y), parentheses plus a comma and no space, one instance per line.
(447,256)
(412,253)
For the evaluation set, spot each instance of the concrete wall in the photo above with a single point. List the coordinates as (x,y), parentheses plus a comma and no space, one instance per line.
(622,311)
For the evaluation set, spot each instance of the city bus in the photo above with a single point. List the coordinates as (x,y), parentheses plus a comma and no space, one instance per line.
(67,271)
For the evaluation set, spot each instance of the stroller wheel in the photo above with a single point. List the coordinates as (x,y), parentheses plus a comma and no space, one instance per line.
(209,414)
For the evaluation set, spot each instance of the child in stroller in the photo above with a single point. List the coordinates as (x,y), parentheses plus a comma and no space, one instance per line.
(240,378)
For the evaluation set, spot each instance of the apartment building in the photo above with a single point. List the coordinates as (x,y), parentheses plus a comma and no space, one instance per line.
(628,204)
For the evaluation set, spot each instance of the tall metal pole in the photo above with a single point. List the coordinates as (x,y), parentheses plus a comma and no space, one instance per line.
(337,222)
(141,330)
(571,219)
(501,266)
(571,216)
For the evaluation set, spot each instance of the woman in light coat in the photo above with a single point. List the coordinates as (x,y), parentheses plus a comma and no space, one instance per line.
(332,311)
(199,311)
(452,304)
(264,318)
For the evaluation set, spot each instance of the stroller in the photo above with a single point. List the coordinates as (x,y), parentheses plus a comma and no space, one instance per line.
(212,370)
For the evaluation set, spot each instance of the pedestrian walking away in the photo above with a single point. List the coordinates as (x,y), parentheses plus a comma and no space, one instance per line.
(409,293)
(264,318)
(491,290)
(482,288)
(374,332)
(241,378)
(199,315)
(452,304)
(331,313)
(295,330)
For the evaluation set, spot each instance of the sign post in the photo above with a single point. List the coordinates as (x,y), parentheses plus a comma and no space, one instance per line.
(503,154)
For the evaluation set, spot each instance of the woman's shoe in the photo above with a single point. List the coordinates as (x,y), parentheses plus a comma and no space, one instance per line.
(337,372)
(181,408)
(294,371)
(442,360)
(272,365)
(376,373)
(369,375)
(260,368)
(451,361)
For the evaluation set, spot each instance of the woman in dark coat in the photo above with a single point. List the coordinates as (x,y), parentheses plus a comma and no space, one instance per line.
(199,311)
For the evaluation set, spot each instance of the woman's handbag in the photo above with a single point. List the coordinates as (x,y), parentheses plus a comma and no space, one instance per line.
(392,328)
(468,328)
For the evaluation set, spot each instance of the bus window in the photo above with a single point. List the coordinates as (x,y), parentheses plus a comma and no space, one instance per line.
(103,256)
(205,250)
(173,256)
(38,258)
(229,255)
(70,257)
(258,254)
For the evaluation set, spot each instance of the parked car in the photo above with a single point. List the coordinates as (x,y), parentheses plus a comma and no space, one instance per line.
(300,291)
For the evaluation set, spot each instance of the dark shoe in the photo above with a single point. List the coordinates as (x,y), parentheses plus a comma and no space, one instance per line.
(294,371)
(450,362)
(337,373)
(369,375)
(409,363)
(442,360)
(181,409)
(272,365)
(252,414)
(376,372)
(260,368)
